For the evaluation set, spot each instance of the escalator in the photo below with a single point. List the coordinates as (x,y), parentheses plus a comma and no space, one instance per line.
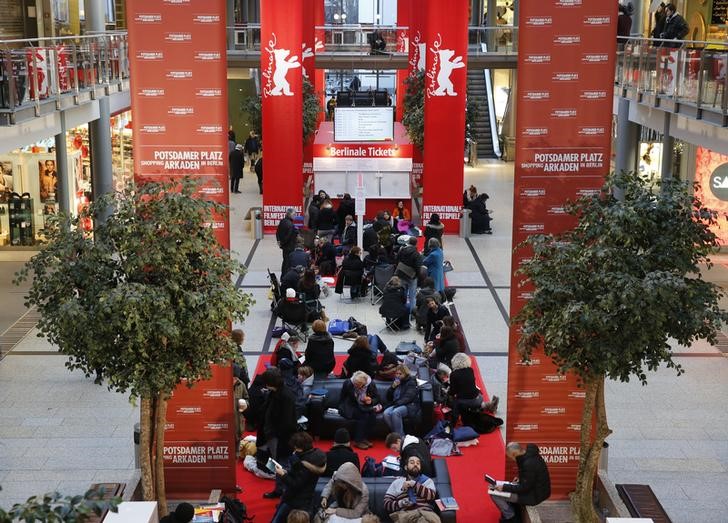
(484,130)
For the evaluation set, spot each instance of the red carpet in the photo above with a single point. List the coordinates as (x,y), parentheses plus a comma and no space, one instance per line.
(466,473)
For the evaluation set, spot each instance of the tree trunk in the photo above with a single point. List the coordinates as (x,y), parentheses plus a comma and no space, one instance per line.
(582,504)
(145,448)
(160,422)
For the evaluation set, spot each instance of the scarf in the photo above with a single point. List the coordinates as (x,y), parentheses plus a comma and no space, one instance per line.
(411,491)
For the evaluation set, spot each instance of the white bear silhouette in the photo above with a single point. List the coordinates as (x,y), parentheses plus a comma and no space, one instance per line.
(306,52)
(283,64)
(444,84)
(421,50)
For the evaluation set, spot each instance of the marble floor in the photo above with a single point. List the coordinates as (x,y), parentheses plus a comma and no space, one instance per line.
(671,434)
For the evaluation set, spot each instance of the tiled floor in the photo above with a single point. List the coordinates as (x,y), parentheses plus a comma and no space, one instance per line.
(60,431)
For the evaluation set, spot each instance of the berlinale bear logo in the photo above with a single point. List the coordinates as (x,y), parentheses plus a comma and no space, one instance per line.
(443,65)
(278,66)
(719,182)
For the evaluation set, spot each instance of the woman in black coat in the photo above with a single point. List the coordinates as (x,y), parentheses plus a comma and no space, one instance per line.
(352,270)
(479,215)
(394,303)
(360,358)
(434,229)
(320,350)
(359,400)
(327,222)
(446,346)
(346,208)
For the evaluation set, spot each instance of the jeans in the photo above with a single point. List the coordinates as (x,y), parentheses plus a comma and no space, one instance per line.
(411,293)
(364,424)
(461,404)
(282,512)
(506,505)
(394,418)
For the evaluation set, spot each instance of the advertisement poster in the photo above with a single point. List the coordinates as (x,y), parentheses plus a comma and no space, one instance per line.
(711,173)
(177,54)
(564,112)
(48,180)
(281,59)
(445,58)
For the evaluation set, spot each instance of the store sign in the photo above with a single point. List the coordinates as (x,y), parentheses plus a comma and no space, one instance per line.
(445,59)
(564,113)
(281,84)
(711,173)
(179,102)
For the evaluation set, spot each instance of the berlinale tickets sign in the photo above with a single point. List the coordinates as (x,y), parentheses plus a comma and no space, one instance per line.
(178,64)
(566,56)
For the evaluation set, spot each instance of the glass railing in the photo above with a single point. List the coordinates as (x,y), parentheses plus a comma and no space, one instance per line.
(34,71)
(687,71)
(502,39)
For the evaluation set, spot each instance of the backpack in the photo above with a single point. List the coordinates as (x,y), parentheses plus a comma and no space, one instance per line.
(371,469)
(482,422)
(405,347)
(360,328)
(235,511)
(338,327)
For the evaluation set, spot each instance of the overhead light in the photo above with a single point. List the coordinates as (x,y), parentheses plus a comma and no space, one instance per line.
(336,16)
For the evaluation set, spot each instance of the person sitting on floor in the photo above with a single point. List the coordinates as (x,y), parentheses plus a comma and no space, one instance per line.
(340,452)
(326,259)
(298,516)
(299,256)
(440,382)
(320,350)
(360,358)
(444,347)
(409,498)
(408,445)
(394,304)
(435,314)
(285,348)
(359,401)
(449,321)
(464,393)
(299,483)
(345,497)
(426,291)
(533,485)
(404,400)
(308,285)
(352,274)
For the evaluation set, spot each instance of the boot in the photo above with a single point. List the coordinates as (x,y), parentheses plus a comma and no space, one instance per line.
(492,405)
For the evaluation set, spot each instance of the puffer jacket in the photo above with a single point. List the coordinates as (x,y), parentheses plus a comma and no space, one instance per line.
(300,481)
(349,473)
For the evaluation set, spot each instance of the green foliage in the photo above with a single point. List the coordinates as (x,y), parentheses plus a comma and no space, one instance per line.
(148,300)
(471,115)
(413,117)
(610,293)
(54,508)
(312,108)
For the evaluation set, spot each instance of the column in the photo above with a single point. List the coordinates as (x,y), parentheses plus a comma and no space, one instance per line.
(627,138)
(62,188)
(99,130)
(491,20)
(667,145)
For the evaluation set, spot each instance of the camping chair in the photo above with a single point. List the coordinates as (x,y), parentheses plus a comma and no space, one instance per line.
(391,325)
(382,274)
(275,289)
(293,315)
(313,306)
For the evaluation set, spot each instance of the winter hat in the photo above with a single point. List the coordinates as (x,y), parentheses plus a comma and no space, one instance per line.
(184,513)
(341,436)
(290,293)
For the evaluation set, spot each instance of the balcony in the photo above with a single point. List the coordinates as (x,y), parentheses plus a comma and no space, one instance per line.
(689,79)
(40,77)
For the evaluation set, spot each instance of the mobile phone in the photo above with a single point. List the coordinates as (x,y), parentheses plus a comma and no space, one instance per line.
(490,480)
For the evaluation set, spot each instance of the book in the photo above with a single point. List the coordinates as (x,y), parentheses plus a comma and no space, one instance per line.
(490,480)
(499,493)
(448,503)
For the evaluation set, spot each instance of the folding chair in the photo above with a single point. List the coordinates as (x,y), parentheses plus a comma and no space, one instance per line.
(275,288)
(382,274)
(293,315)
(390,324)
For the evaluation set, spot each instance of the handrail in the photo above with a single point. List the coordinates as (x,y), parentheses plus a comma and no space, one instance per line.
(662,41)
(88,36)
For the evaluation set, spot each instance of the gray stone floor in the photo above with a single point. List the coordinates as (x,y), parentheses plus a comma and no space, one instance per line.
(60,431)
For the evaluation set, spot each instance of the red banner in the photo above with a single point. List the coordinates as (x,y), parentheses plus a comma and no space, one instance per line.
(178,63)
(566,55)
(281,86)
(319,41)
(308,52)
(404,21)
(711,173)
(446,55)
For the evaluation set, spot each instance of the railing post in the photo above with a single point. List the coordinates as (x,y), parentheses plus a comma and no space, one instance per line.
(679,73)
(34,79)
(701,74)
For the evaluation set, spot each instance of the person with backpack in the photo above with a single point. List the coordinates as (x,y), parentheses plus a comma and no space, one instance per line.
(676,28)
(533,485)
(299,482)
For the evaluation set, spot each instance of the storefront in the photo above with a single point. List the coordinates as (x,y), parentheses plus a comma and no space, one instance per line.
(29,181)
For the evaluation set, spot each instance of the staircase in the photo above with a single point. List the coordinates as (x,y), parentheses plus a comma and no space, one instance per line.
(477,91)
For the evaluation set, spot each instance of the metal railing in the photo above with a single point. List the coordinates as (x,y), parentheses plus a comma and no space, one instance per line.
(502,39)
(35,71)
(684,71)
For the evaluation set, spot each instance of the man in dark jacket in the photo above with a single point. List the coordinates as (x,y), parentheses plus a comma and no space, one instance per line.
(252,147)
(676,28)
(279,422)
(340,452)
(533,485)
(435,314)
(237,166)
(409,261)
(299,256)
(307,464)
(286,236)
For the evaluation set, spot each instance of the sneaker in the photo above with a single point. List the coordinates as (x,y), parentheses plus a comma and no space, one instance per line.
(363,445)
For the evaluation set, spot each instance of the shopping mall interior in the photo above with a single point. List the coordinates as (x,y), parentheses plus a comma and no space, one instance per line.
(67,135)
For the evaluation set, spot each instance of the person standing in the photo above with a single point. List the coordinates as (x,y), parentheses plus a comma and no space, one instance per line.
(434,263)
(533,485)
(286,235)
(676,28)
(259,173)
(659,21)
(408,499)
(237,166)
(624,23)
(409,261)
(240,365)
(252,148)
(434,229)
